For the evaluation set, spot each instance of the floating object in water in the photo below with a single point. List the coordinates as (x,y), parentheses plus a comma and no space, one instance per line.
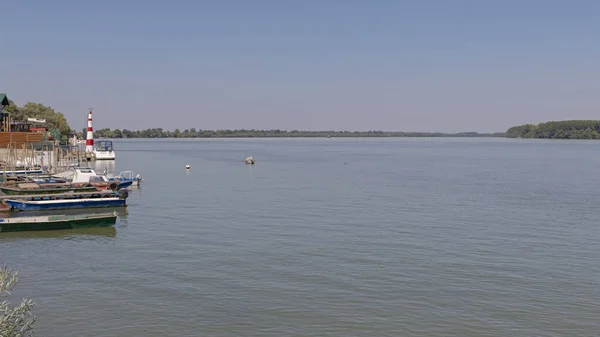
(250,161)
(187,167)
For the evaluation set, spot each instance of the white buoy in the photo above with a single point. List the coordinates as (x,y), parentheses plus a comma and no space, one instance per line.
(187,167)
(250,160)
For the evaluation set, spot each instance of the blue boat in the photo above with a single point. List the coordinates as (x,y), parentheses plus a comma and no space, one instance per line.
(124,176)
(69,201)
(42,205)
(124,184)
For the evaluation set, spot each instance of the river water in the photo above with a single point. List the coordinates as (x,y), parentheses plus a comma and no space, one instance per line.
(330,237)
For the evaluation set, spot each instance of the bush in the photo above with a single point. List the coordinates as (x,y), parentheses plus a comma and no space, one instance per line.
(17,321)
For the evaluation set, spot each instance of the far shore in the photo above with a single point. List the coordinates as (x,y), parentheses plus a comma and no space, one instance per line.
(192,133)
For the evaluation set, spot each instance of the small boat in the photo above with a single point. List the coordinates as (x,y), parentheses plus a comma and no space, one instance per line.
(20,172)
(33,188)
(89,175)
(125,176)
(49,222)
(42,205)
(47,180)
(69,201)
(102,183)
(103,150)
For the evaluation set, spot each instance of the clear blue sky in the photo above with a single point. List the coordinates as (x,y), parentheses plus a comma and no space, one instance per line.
(426,65)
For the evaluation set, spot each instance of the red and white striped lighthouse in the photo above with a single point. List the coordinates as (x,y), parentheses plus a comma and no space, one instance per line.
(89,142)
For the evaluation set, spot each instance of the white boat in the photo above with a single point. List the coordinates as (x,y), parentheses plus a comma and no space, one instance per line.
(103,150)
(89,175)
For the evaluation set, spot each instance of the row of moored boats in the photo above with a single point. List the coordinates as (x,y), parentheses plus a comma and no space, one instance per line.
(80,188)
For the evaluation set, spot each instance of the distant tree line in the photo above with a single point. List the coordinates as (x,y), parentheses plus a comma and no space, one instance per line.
(243,133)
(572,129)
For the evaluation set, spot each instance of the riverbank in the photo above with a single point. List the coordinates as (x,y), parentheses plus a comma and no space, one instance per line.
(192,133)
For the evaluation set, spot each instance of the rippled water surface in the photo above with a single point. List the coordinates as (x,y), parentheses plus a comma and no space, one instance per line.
(330,237)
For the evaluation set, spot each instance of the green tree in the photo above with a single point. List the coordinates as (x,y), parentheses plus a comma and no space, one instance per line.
(14,111)
(17,321)
(117,133)
(128,134)
(37,110)
(570,129)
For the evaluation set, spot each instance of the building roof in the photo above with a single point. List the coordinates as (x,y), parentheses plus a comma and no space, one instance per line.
(3,99)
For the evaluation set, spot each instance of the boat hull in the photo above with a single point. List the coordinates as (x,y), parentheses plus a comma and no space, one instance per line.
(42,205)
(112,185)
(125,182)
(21,172)
(60,190)
(104,155)
(69,223)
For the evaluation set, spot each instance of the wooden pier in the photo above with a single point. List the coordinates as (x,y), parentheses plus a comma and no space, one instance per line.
(50,157)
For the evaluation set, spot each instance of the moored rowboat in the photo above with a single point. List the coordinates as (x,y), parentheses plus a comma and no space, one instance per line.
(32,188)
(49,222)
(68,200)
(42,205)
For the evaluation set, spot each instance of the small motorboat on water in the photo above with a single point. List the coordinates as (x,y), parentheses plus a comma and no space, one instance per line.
(135,179)
(89,175)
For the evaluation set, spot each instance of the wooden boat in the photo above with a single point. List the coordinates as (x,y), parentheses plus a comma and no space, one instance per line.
(4,208)
(102,183)
(48,222)
(69,201)
(33,188)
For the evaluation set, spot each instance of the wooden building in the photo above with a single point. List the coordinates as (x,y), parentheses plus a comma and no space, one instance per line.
(21,134)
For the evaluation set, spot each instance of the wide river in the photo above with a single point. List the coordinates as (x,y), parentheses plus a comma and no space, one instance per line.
(330,237)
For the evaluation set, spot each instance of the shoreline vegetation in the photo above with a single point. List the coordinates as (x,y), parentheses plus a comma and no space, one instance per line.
(569,129)
(58,128)
(242,133)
